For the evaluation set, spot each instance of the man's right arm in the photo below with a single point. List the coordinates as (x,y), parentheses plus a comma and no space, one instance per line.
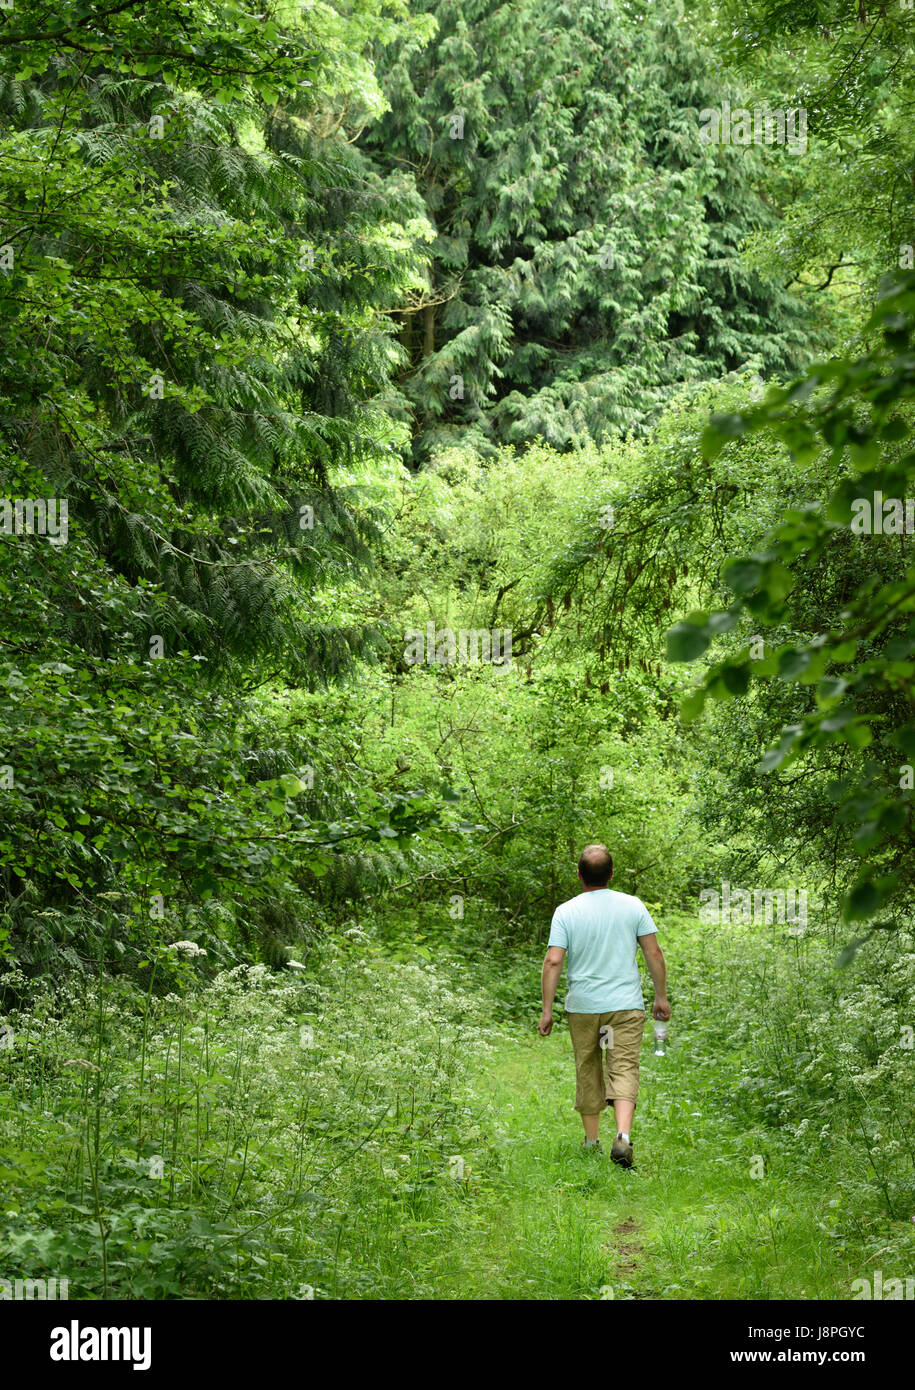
(654,959)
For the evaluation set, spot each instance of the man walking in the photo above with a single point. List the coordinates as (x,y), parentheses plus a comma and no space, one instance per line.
(600,929)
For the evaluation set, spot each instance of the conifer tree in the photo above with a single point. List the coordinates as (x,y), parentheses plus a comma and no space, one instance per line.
(587,258)
(204,262)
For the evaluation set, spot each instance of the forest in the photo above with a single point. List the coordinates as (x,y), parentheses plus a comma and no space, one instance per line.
(435,436)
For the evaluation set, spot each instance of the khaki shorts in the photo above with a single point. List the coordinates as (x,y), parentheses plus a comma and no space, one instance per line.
(611,1040)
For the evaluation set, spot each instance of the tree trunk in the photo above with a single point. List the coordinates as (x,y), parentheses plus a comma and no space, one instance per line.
(406,333)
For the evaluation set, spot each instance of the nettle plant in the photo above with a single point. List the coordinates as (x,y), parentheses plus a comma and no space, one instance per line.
(854,679)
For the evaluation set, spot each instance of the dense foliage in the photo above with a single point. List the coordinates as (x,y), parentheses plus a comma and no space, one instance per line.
(586,259)
(340,341)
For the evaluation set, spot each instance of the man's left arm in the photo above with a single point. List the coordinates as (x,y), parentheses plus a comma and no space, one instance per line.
(549,979)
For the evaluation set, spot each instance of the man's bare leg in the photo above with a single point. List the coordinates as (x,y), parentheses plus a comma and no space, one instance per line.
(590,1123)
(624,1111)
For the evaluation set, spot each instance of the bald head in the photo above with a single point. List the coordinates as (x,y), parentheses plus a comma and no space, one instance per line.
(595,866)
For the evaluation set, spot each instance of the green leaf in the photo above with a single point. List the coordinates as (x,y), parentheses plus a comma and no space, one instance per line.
(862,902)
(904,738)
(719,430)
(838,719)
(692,705)
(830,688)
(849,951)
(792,662)
(686,641)
(736,678)
(743,575)
(779,582)
(723,621)
(776,756)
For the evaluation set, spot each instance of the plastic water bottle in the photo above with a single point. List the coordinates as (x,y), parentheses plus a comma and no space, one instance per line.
(660,1038)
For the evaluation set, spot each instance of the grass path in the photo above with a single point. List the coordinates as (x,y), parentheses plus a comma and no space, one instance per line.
(711,1209)
(330,1165)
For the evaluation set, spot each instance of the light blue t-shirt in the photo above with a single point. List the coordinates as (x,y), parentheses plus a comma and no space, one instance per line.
(599,931)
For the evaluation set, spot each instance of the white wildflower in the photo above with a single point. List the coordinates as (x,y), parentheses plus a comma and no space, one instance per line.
(187,948)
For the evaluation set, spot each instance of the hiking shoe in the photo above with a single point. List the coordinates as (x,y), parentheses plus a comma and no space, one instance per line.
(621,1153)
(592,1147)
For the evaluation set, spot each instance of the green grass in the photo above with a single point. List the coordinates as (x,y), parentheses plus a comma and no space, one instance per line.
(772,1141)
(423,1144)
(689,1221)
